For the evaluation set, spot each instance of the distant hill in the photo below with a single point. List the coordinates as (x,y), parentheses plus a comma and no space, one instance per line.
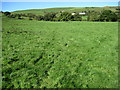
(68,9)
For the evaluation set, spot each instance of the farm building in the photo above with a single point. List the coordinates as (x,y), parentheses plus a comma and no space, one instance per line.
(82,13)
(73,13)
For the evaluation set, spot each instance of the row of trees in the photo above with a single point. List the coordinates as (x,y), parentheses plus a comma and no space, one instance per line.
(62,16)
(19,16)
(106,15)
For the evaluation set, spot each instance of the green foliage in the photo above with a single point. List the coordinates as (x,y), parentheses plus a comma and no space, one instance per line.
(59,54)
(40,17)
(7,13)
(31,16)
(93,16)
(12,16)
(77,17)
(65,16)
(118,16)
(18,16)
(49,16)
(108,15)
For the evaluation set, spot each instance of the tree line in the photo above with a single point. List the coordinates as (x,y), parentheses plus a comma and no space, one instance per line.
(105,16)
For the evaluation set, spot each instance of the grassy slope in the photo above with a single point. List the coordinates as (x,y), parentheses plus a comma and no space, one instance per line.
(59,54)
(69,9)
(42,11)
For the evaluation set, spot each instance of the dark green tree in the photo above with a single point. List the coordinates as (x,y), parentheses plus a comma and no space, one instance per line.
(49,16)
(31,16)
(1,12)
(18,16)
(108,15)
(77,17)
(12,16)
(65,16)
(7,13)
(40,17)
(93,16)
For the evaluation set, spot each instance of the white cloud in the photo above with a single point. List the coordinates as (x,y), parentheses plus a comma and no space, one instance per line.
(60,0)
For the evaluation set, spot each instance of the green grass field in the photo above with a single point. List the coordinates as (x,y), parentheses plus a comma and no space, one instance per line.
(67,9)
(72,54)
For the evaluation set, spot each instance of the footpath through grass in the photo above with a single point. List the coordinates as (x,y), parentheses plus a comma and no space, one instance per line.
(39,54)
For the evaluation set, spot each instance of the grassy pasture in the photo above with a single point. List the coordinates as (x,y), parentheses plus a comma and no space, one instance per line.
(39,54)
(43,11)
(68,9)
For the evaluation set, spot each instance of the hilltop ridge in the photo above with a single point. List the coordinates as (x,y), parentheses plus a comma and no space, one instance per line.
(68,9)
